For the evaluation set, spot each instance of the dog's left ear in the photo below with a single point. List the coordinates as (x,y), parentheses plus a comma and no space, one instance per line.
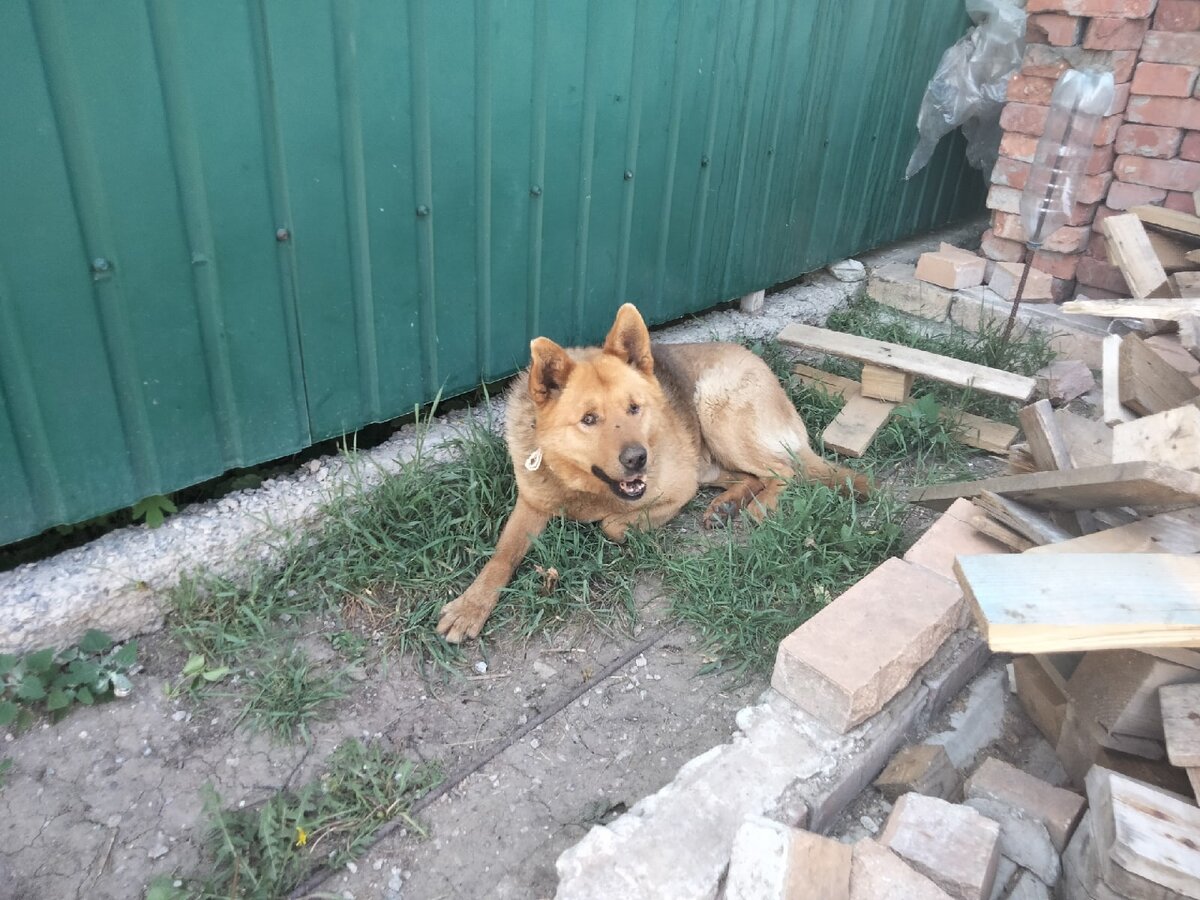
(629,340)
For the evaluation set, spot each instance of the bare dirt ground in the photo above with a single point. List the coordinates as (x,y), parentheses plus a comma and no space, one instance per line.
(100,803)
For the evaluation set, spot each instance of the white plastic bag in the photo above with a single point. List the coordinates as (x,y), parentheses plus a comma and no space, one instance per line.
(969,85)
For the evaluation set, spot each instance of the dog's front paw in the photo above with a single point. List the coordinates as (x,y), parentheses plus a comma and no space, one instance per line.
(464,618)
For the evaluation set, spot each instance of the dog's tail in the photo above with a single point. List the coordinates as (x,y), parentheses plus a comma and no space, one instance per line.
(818,468)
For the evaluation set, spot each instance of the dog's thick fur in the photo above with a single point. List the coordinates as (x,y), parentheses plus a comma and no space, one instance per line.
(625,434)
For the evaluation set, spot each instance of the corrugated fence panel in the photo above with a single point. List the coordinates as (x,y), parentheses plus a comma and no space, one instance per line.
(231,228)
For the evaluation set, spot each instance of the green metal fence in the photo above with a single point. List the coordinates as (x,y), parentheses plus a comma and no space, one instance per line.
(231,228)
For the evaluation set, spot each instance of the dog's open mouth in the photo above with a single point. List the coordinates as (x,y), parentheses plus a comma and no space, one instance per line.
(630,489)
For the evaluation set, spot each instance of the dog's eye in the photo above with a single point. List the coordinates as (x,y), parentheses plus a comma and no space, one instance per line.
(634,409)
(589,419)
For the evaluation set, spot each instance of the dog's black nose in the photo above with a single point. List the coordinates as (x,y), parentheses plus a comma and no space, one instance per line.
(633,457)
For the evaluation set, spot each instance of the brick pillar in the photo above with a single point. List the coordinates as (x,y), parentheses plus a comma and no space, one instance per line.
(1062,34)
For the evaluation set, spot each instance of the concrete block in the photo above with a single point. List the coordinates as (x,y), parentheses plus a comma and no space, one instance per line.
(952,270)
(848,270)
(848,660)
(758,861)
(770,861)
(896,285)
(921,769)
(1024,840)
(1028,887)
(677,842)
(1064,380)
(954,846)
(948,537)
(1007,276)
(977,721)
(1057,809)
(877,873)
(1006,871)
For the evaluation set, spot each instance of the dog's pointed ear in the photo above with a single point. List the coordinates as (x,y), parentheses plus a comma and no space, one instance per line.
(629,339)
(549,368)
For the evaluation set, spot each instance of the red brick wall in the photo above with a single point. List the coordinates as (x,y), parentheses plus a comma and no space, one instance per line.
(1147,150)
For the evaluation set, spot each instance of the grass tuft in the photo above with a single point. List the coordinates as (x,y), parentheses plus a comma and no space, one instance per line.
(286,692)
(746,588)
(265,852)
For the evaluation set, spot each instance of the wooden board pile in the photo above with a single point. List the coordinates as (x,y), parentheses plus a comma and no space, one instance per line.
(1102,596)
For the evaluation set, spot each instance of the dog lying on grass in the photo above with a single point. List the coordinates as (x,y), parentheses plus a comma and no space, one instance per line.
(625,435)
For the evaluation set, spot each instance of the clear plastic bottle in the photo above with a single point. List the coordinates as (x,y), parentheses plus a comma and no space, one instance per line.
(1080,100)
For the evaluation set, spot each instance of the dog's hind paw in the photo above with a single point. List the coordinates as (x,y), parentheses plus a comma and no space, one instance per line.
(463,618)
(720,513)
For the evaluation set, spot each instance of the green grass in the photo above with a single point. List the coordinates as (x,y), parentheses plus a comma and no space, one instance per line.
(388,559)
(264,852)
(286,692)
(745,587)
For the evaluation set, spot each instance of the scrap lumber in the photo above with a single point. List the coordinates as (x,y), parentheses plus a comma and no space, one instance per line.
(1189,334)
(834,385)
(1142,486)
(1113,411)
(1020,460)
(1050,453)
(971,430)
(1046,443)
(1130,250)
(1043,694)
(1173,532)
(1052,602)
(1170,347)
(1171,252)
(1089,441)
(1180,705)
(882,383)
(1147,383)
(1022,519)
(1134,309)
(855,426)
(1171,438)
(1147,840)
(986,525)
(1118,689)
(908,359)
(1168,220)
(1185,284)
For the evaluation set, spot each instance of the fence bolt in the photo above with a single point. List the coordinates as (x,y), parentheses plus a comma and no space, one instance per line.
(282,234)
(422,210)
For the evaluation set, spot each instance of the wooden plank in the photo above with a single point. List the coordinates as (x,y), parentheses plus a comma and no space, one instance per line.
(835,385)
(1119,690)
(971,430)
(1025,521)
(1169,220)
(979,432)
(1045,441)
(1173,532)
(1194,777)
(1147,840)
(1180,705)
(1146,382)
(1171,438)
(1110,384)
(853,429)
(1171,252)
(986,525)
(1089,441)
(1170,347)
(1145,487)
(1189,334)
(1185,284)
(1133,309)
(919,362)
(1052,602)
(1043,694)
(882,383)
(1131,252)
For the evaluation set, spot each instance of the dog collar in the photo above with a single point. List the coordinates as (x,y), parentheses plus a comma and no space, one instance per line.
(533,461)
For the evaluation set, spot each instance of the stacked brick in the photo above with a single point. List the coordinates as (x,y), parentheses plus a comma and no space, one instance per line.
(1146,151)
